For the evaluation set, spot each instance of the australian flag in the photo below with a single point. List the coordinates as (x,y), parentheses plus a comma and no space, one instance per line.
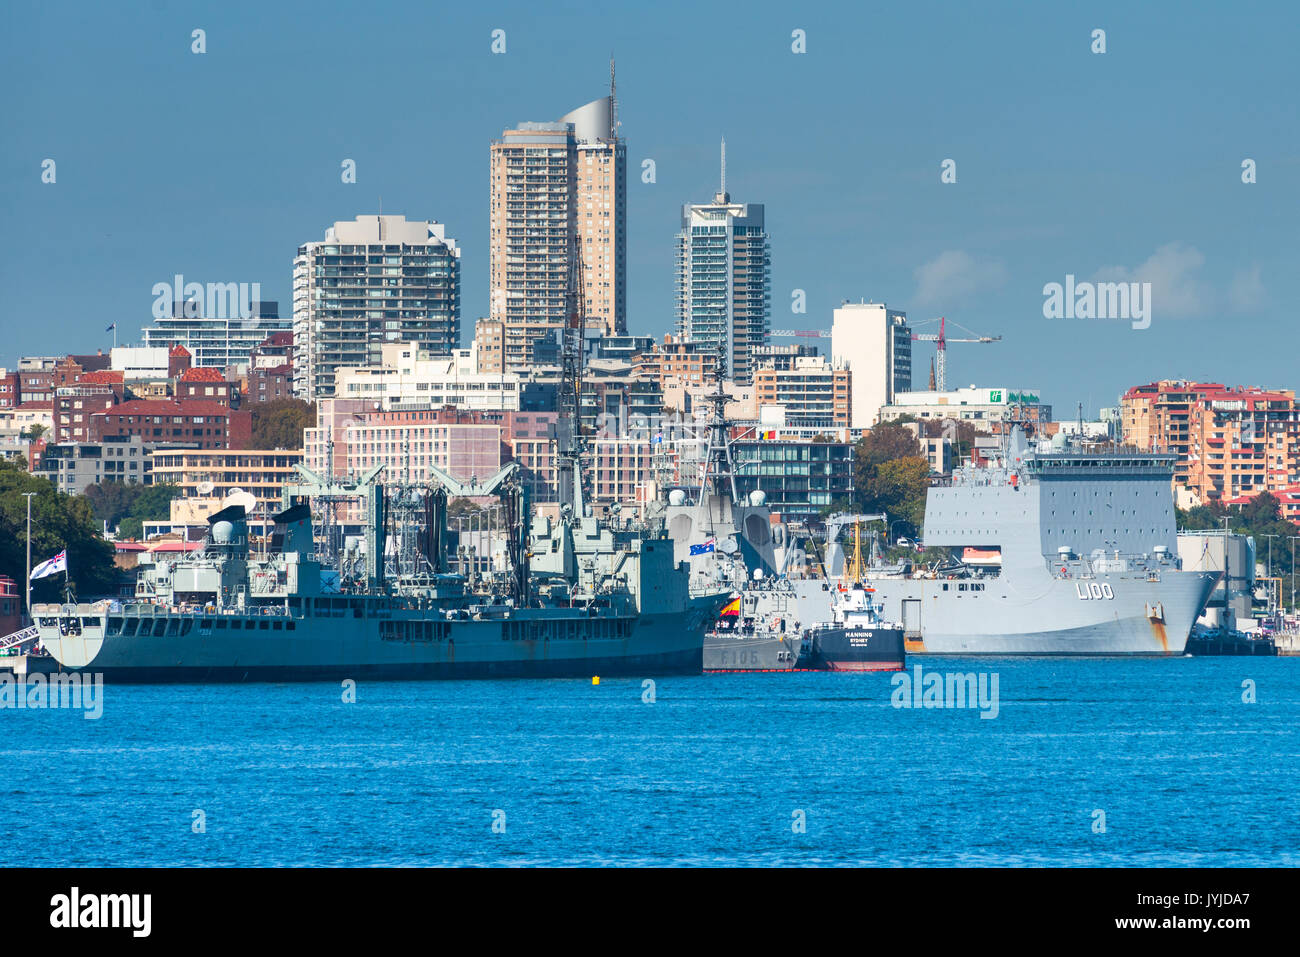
(708,546)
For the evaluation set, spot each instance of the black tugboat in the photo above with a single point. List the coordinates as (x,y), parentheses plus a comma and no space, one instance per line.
(857,638)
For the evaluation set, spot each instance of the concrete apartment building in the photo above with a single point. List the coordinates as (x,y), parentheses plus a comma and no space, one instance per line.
(410,377)
(673,360)
(724,280)
(216,342)
(73,466)
(376,280)
(975,405)
(553,187)
(874,343)
(405,442)
(812,391)
(1231,443)
(206,476)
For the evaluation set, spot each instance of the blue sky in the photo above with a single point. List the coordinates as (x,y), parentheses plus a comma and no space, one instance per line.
(1123,164)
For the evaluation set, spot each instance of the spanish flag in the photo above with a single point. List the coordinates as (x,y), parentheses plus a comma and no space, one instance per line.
(732,607)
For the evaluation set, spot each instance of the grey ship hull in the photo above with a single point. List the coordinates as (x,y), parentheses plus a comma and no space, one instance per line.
(1032,614)
(326,649)
(751,653)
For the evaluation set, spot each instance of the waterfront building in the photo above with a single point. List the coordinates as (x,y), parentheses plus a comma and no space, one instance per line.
(979,406)
(874,343)
(724,280)
(811,390)
(206,477)
(371,282)
(216,342)
(73,466)
(1230,442)
(555,187)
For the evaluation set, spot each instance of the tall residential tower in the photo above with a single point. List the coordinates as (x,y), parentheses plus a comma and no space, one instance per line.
(377,280)
(552,183)
(723,279)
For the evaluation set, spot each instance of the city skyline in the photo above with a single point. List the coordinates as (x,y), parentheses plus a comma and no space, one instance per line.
(1075,164)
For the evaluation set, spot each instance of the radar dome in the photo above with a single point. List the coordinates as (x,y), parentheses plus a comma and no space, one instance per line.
(676,497)
(757,497)
(222,532)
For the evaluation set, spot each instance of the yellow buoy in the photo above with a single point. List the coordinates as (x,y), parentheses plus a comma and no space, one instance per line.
(595,679)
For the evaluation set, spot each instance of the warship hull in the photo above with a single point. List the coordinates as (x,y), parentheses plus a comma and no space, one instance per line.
(1038,615)
(750,653)
(191,648)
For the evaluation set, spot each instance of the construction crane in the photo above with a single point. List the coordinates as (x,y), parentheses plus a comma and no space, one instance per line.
(942,343)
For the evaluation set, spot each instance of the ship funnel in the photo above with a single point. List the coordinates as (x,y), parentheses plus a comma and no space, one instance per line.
(228,531)
(292,532)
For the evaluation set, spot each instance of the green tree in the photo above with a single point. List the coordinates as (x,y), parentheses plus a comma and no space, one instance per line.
(34,431)
(59,522)
(898,488)
(892,475)
(1259,518)
(114,501)
(279,424)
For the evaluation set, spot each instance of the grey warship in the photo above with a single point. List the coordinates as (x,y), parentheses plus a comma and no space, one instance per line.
(576,597)
(1055,549)
(729,541)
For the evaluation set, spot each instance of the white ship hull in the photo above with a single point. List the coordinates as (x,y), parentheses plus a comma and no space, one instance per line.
(1037,615)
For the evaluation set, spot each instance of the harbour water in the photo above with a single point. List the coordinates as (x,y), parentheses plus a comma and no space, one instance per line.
(718,770)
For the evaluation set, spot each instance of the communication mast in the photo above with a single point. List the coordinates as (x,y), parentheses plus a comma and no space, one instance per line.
(570,444)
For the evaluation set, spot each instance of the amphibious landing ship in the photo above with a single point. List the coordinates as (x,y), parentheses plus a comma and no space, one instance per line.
(1054,550)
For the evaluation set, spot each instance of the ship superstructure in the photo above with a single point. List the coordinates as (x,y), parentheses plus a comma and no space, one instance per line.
(1055,549)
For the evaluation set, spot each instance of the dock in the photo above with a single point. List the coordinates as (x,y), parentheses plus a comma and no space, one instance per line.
(1231,644)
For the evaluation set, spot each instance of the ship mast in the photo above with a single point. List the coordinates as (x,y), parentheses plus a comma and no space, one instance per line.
(718,464)
(569,440)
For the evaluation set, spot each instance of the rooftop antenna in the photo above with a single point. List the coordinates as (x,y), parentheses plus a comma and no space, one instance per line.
(723,190)
(613,100)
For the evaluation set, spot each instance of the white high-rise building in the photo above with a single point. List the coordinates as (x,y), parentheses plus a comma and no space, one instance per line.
(723,279)
(378,280)
(875,344)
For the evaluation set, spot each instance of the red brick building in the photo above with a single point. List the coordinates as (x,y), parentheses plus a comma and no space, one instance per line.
(206,425)
(8,390)
(207,384)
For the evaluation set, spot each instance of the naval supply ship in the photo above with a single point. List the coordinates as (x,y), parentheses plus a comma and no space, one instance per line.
(573,596)
(1055,549)
(600,604)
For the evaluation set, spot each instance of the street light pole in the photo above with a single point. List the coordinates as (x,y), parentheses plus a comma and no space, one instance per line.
(1270,568)
(28,496)
(1293,541)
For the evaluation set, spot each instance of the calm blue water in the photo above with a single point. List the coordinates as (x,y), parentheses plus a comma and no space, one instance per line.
(710,774)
